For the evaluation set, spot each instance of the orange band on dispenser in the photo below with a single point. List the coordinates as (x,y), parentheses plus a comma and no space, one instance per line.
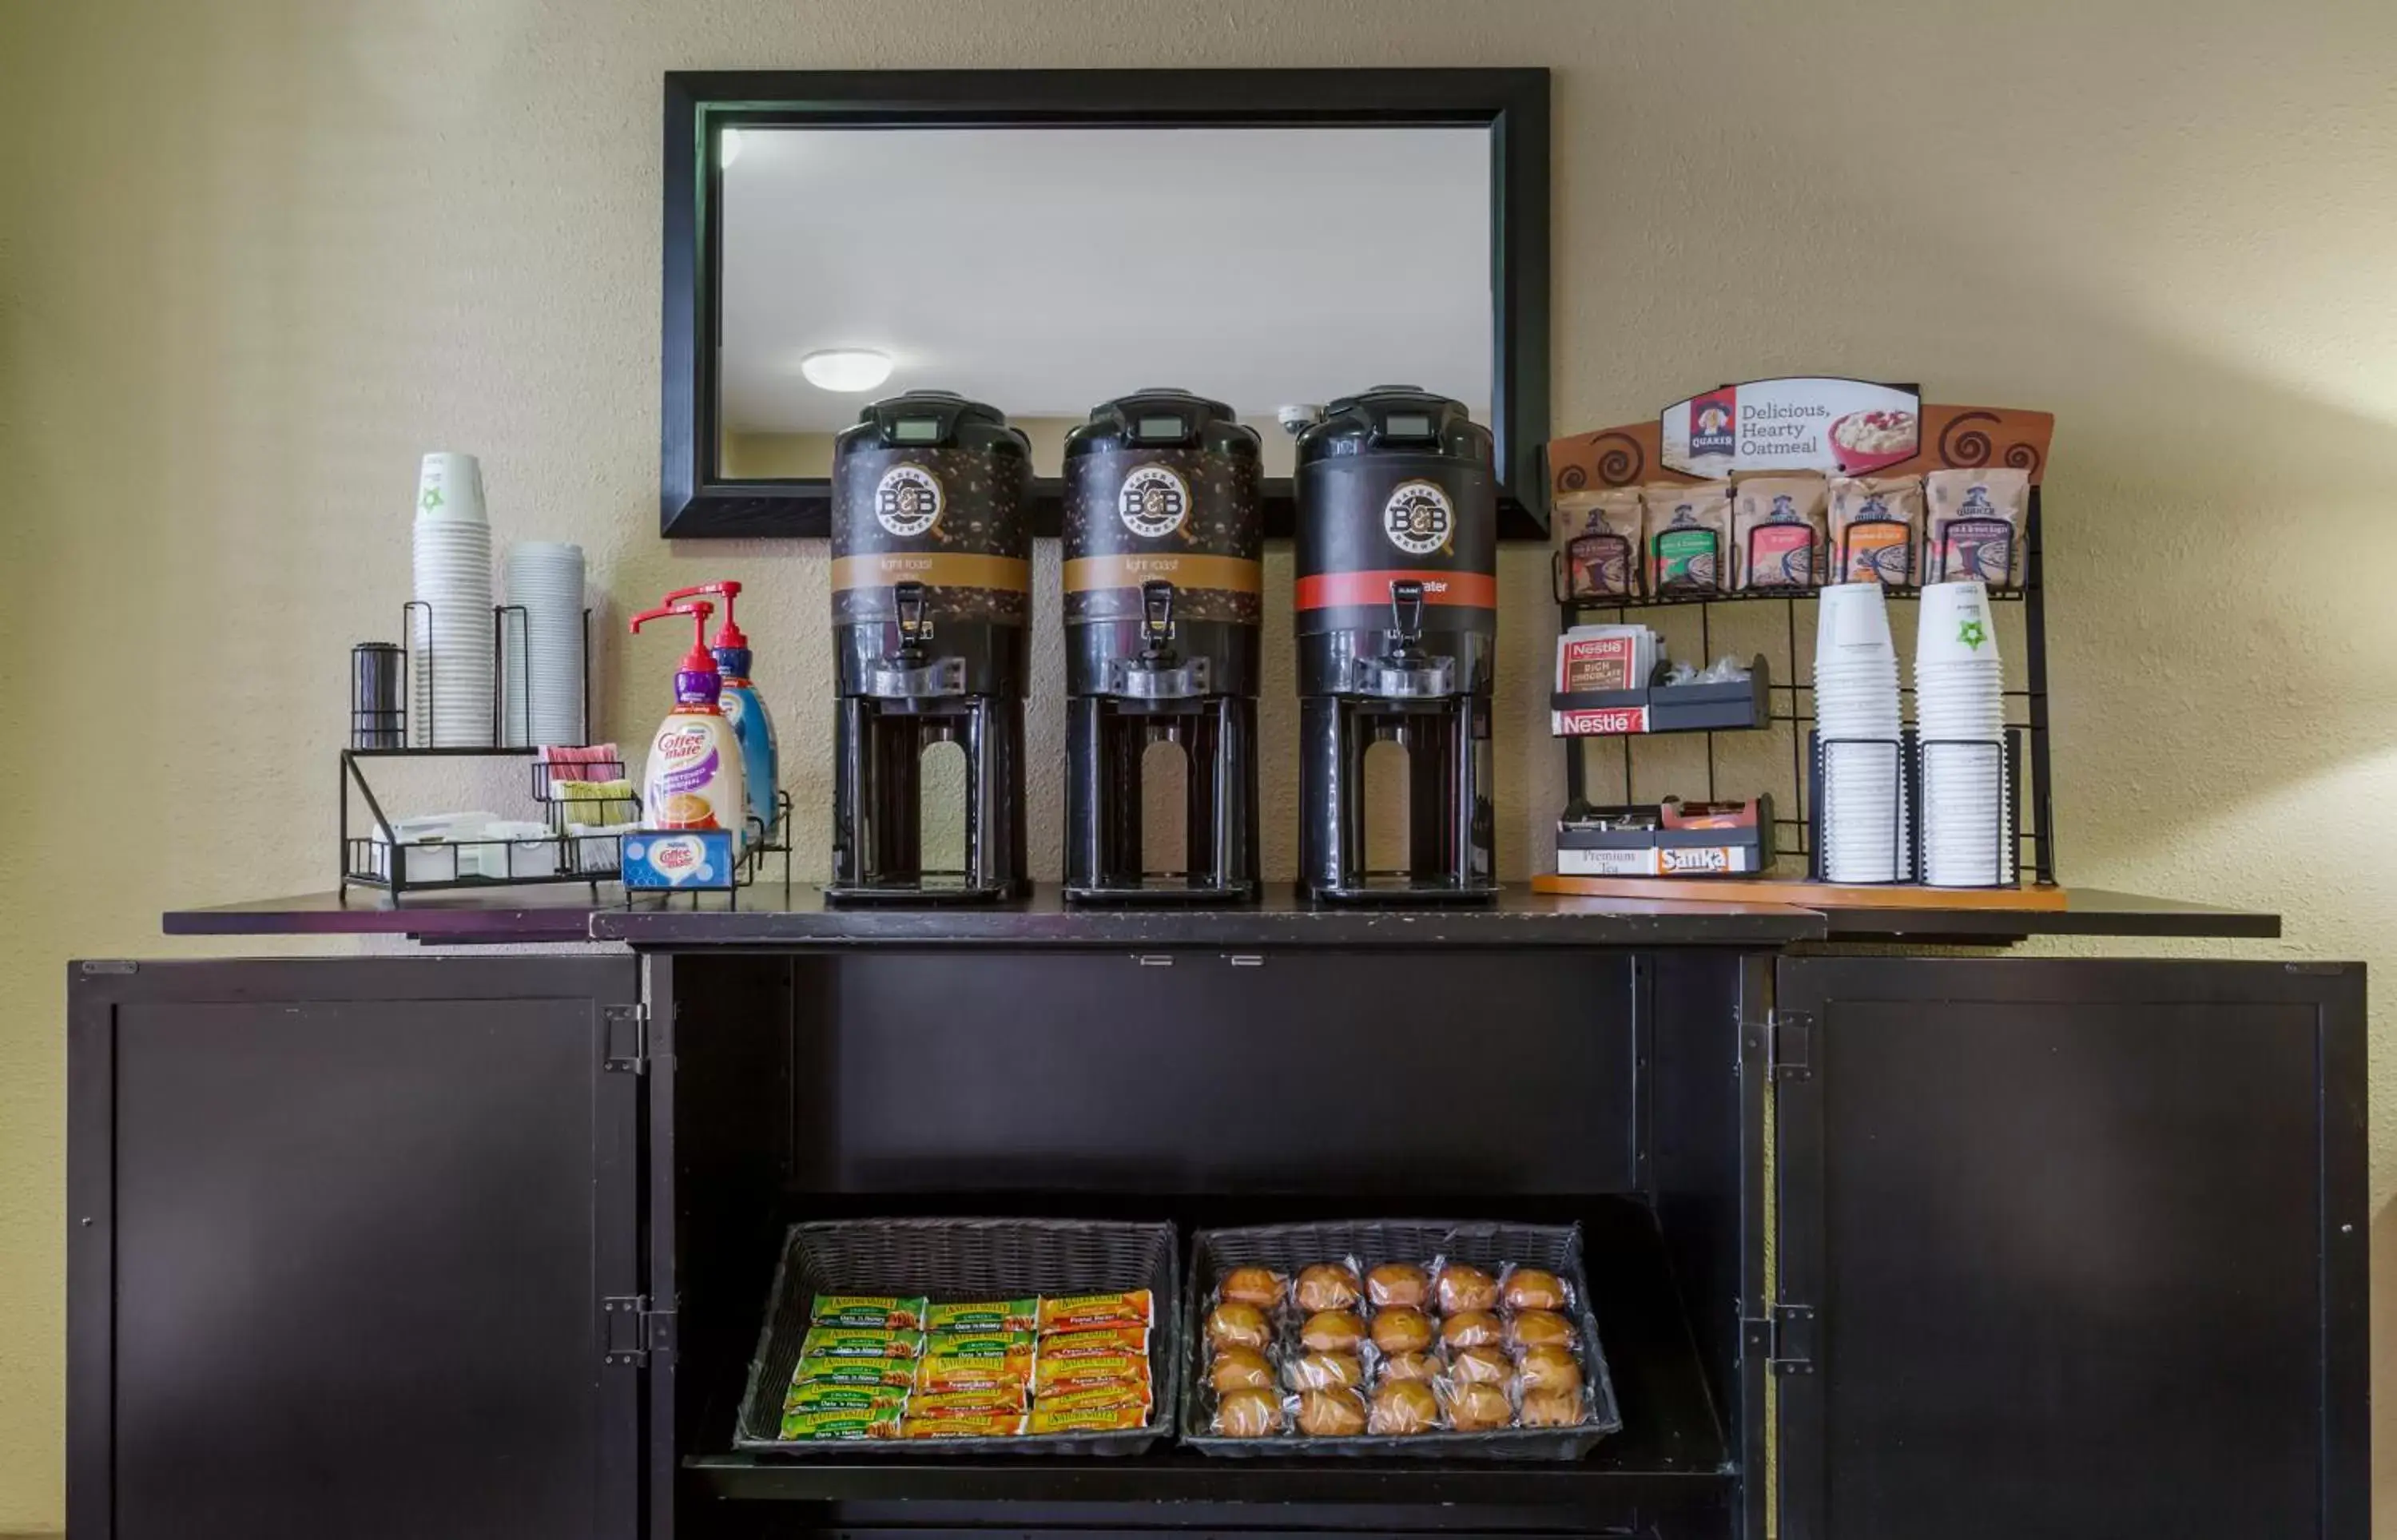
(1229,574)
(934,570)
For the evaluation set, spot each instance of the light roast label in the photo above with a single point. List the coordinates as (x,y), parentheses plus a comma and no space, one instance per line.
(908,499)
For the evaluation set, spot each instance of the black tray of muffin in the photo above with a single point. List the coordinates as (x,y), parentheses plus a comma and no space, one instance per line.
(1427,1338)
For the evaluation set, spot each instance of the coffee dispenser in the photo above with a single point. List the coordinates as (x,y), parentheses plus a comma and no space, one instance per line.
(931,599)
(1163,597)
(1397,608)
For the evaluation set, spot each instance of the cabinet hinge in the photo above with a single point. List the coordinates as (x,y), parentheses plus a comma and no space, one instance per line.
(634,1330)
(1790,1337)
(1785,1337)
(627,1030)
(1790,1036)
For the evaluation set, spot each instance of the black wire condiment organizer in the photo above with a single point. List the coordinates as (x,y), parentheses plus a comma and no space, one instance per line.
(386,725)
(2027,803)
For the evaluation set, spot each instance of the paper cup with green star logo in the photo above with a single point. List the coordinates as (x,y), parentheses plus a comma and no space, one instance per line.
(1955,625)
(450,488)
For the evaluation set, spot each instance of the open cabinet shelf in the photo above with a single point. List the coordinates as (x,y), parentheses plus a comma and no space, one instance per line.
(827,1087)
(1670,1454)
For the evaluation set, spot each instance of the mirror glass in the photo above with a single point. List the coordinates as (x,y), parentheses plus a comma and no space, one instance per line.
(1047,270)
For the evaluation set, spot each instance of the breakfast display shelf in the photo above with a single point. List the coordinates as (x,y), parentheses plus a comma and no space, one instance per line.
(1790,709)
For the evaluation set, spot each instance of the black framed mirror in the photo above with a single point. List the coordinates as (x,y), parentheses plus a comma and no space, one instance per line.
(1044,240)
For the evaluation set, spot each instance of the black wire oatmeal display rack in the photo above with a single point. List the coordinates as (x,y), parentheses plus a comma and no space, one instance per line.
(1789,708)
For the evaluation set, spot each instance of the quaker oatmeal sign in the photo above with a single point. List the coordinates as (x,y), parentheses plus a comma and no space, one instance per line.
(1844,427)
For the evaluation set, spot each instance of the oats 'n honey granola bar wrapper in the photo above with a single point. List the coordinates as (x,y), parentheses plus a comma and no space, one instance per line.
(843,1426)
(992,1315)
(884,1312)
(990,1343)
(896,1374)
(818,1395)
(860,1342)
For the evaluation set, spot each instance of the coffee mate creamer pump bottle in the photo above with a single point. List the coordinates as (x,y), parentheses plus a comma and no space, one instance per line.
(743,707)
(694,779)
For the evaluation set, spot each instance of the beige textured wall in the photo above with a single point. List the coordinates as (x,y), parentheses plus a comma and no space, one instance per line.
(258,254)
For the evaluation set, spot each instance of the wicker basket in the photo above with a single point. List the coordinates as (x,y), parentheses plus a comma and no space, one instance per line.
(962,1259)
(1287,1248)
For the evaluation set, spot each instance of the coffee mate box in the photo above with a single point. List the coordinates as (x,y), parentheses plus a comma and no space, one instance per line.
(685,860)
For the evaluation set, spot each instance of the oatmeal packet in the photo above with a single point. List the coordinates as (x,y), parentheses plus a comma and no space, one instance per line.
(1979,519)
(1688,531)
(1597,534)
(1776,522)
(1876,522)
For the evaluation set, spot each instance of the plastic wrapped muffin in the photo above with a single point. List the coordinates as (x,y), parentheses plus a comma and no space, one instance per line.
(1459,1286)
(1233,1324)
(1326,1372)
(1240,1368)
(1248,1415)
(1330,1413)
(1401,1329)
(1329,1286)
(1260,1287)
(1403,1407)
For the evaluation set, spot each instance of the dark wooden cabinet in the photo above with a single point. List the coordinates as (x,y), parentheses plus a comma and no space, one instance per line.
(2065,1248)
(340,1233)
(2076,1249)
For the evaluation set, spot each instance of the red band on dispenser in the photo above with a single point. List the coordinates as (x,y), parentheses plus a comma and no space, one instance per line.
(1346,590)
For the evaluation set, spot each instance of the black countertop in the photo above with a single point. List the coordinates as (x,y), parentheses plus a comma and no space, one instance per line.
(771,915)
(1517,918)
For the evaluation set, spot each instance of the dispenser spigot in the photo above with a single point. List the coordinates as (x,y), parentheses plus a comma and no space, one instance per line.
(1406,615)
(1156,616)
(915,627)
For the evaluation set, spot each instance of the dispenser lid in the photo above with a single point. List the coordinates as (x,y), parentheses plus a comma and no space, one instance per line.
(932,419)
(1395,419)
(1163,418)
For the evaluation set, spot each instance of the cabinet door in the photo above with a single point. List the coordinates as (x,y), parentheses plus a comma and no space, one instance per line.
(340,1235)
(2070,1249)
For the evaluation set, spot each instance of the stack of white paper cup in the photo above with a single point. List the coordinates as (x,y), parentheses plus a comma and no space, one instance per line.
(1959,715)
(1863,809)
(451,641)
(542,673)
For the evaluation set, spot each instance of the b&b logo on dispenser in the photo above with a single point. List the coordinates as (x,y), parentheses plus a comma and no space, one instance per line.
(907,501)
(1419,519)
(1154,501)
